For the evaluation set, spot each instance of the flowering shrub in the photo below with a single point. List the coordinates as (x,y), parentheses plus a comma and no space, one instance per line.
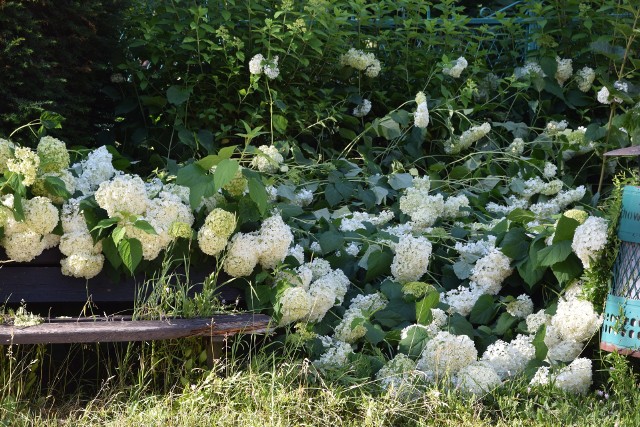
(442,238)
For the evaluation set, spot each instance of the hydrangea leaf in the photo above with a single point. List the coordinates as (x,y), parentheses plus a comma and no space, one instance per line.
(144,226)
(110,251)
(330,241)
(56,187)
(178,95)
(538,343)
(521,216)
(374,334)
(565,229)
(378,264)
(258,194)
(555,253)
(462,269)
(424,306)
(225,172)
(504,323)
(515,244)
(567,270)
(280,123)
(459,325)
(414,342)
(483,310)
(130,251)
(399,181)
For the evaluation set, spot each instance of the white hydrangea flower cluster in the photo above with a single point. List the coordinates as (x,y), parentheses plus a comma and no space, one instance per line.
(363,108)
(531,69)
(446,354)
(267,247)
(396,377)
(352,249)
(535,320)
(216,230)
(575,320)
(122,196)
(574,378)
(169,216)
(303,197)
(361,61)
(490,271)
(521,307)
(439,319)
(425,209)
(477,378)
(360,310)
(259,64)
(558,203)
(335,356)
(268,159)
(589,239)
(470,251)
(516,148)
(411,259)
(94,170)
(564,70)
(421,116)
(585,78)
(536,185)
(554,128)
(456,144)
(510,359)
(456,69)
(6,153)
(295,304)
(550,170)
(357,220)
(83,257)
(462,299)
(513,202)
(25,240)
(53,154)
(25,162)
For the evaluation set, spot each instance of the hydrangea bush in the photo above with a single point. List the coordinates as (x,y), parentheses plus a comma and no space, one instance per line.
(449,235)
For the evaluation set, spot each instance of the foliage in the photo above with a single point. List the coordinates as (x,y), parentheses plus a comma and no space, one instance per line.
(55,56)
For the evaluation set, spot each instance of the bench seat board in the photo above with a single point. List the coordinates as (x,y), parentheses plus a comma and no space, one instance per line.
(59,331)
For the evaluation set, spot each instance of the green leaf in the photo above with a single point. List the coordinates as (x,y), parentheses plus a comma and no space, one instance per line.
(555,253)
(415,341)
(388,128)
(332,195)
(110,251)
(378,264)
(483,311)
(130,251)
(177,95)
(144,226)
(565,229)
(330,241)
(212,160)
(225,172)
(258,194)
(105,223)
(567,270)
(521,216)
(399,181)
(505,322)
(200,183)
(374,334)
(530,272)
(117,235)
(424,306)
(538,343)
(458,325)
(56,187)
(515,244)
(463,270)
(280,123)
(18,210)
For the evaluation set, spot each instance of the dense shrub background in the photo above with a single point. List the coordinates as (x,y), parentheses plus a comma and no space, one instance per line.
(55,56)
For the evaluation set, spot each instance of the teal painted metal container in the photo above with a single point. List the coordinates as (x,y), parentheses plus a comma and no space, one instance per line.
(621,325)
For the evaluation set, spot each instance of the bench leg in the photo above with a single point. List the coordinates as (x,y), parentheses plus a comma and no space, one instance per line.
(215,350)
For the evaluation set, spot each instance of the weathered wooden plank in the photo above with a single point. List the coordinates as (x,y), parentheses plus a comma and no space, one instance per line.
(73,331)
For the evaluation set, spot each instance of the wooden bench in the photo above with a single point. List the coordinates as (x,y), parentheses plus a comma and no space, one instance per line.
(42,286)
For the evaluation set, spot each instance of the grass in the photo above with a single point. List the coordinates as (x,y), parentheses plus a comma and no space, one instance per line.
(272,389)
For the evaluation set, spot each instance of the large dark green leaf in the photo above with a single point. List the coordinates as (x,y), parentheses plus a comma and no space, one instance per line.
(130,251)
(515,244)
(177,95)
(555,253)
(225,172)
(414,342)
(424,306)
(483,311)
